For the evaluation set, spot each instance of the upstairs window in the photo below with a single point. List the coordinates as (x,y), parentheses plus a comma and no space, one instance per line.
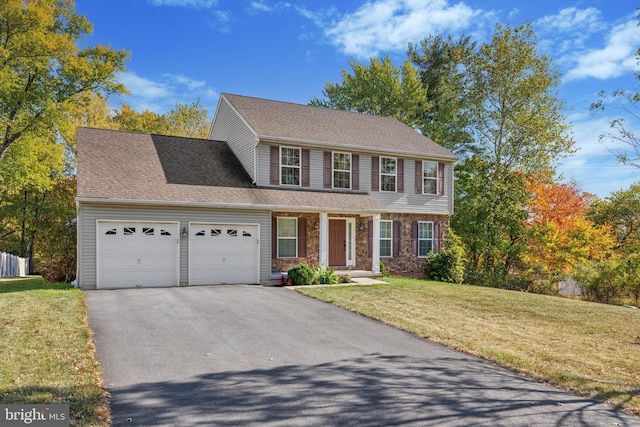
(429,177)
(289,166)
(388,174)
(342,170)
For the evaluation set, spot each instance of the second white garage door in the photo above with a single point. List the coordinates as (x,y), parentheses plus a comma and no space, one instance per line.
(223,254)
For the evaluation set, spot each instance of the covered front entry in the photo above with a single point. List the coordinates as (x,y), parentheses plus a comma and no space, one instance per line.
(224,254)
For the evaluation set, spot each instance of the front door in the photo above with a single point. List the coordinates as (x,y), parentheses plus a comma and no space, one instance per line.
(337,242)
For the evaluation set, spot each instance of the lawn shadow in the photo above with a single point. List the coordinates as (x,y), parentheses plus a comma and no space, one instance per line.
(373,390)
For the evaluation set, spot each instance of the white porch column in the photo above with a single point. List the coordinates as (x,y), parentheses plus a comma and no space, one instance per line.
(324,239)
(375,253)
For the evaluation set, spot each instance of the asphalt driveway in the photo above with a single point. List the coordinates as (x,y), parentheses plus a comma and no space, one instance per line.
(250,355)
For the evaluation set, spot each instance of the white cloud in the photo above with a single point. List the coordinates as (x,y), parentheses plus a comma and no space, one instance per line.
(572,20)
(258,6)
(615,59)
(390,25)
(162,94)
(221,20)
(196,4)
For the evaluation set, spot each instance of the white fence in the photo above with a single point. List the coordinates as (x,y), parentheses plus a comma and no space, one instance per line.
(13,266)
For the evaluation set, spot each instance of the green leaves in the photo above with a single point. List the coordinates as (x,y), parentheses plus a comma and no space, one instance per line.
(381,89)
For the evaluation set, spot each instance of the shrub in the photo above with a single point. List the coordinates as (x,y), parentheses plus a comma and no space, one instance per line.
(383,270)
(301,274)
(326,276)
(601,281)
(447,265)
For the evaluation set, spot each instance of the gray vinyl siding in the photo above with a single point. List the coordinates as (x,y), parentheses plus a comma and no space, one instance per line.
(410,201)
(90,213)
(407,202)
(229,127)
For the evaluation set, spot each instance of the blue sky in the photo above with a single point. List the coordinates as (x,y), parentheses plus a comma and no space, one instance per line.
(184,50)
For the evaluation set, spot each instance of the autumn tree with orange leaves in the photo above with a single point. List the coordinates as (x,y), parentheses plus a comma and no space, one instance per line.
(559,235)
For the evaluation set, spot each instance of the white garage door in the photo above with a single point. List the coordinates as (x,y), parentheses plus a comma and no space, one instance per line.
(137,254)
(223,254)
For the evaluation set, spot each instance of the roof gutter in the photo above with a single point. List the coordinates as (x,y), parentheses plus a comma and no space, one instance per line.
(224,205)
(333,146)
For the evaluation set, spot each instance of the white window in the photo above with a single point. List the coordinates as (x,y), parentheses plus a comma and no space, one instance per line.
(425,238)
(388,172)
(287,237)
(429,177)
(289,166)
(386,238)
(342,170)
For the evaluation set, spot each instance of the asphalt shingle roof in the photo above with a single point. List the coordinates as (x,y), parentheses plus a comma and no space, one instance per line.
(276,120)
(130,166)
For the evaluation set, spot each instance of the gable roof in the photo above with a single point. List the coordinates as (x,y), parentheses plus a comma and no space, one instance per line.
(131,167)
(289,122)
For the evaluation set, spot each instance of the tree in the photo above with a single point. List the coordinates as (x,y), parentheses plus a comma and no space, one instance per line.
(187,120)
(441,64)
(621,212)
(518,129)
(381,89)
(42,71)
(559,235)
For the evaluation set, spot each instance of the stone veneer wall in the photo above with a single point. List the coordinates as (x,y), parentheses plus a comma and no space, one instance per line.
(312,257)
(407,263)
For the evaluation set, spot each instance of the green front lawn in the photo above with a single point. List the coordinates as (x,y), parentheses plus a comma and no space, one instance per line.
(588,348)
(46,352)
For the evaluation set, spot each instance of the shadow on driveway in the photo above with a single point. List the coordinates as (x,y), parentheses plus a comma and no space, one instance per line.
(373,390)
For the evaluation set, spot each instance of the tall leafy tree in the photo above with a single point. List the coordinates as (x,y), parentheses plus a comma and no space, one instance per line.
(188,120)
(560,237)
(442,63)
(42,69)
(621,212)
(380,88)
(517,126)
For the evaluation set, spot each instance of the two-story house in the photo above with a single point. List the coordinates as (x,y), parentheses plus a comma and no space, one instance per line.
(276,184)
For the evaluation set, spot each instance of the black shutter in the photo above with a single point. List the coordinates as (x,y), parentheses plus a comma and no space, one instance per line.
(370,225)
(414,237)
(418,176)
(305,167)
(355,172)
(274,237)
(275,165)
(400,176)
(397,229)
(327,169)
(302,237)
(436,237)
(441,179)
(375,173)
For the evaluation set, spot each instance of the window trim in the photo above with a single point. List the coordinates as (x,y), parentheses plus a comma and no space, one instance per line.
(278,238)
(424,178)
(395,175)
(299,167)
(432,239)
(390,238)
(334,170)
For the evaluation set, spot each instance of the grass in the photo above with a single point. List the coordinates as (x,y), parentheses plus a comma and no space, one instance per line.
(587,348)
(46,350)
